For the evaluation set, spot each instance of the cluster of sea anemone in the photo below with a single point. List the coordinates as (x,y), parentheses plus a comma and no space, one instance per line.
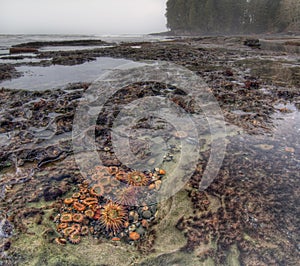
(91,205)
(76,212)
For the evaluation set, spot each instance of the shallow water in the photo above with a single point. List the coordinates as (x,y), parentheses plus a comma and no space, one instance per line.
(55,76)
(6,41)
(72,48)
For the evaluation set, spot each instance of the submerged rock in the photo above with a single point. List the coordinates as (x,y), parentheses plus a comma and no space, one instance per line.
(6,228)
(52,193)
(252,43)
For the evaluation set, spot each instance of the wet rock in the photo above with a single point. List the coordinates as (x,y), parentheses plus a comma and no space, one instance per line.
(6,228)
(251,84)
(39,44)
(20,50)
(147,214)
(254,43)
(8,72)
(228,73)
(61,177)
(52,193)
(6,245)
(140,230)
(134,236)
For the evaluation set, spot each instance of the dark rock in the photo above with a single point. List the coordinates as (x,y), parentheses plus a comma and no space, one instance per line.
(52,193)
(61,177)
(19,50)
(8,72)
(228,73)
(7,246)
(251,84)
(39,44)
(254,43)
(140,230)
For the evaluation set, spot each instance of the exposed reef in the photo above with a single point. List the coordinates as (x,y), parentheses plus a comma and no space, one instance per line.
(56,215)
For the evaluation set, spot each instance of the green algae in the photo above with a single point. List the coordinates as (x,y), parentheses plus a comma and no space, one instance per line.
(36,246)
(233,256)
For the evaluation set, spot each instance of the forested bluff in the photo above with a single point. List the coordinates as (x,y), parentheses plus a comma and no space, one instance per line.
(233,16)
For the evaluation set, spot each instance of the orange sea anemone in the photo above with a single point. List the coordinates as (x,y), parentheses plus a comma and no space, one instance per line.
(180,134)
(99,175)
(62,226)
(115,182)
(101,168)
(77,217)
(113,217)
(137,178)
(85,183)
(74,238)
(60,241)
(107,190)
(76,195)
(76,227)
(121,176)
(79,206)
(89,213)
(66,217)
(113,170)
(104,181)
(90,201)
(67,231)
(95,207)
(84,230)
(127,196)
(83,191)
(68,201)
(97,190)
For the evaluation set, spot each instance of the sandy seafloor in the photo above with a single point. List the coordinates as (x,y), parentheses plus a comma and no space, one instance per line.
(248,215)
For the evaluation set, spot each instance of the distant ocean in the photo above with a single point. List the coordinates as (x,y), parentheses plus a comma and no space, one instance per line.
(58,76)
(6,41)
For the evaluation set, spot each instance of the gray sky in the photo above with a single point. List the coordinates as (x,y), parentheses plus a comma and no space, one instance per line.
(82,16)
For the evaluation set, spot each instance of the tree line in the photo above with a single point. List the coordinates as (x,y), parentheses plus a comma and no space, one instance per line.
(233,16)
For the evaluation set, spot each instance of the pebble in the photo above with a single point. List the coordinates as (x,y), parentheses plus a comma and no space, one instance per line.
(155,177)
(151,161)
(290,149)
(132,228)
(140,230)
(153,208)
(158,184)
(134,236)
(168,159)
(147,214)
(133,216)
(151,186)
(162,172)
(145,223)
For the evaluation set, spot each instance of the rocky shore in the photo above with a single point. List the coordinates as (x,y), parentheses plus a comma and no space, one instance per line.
(247,216)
